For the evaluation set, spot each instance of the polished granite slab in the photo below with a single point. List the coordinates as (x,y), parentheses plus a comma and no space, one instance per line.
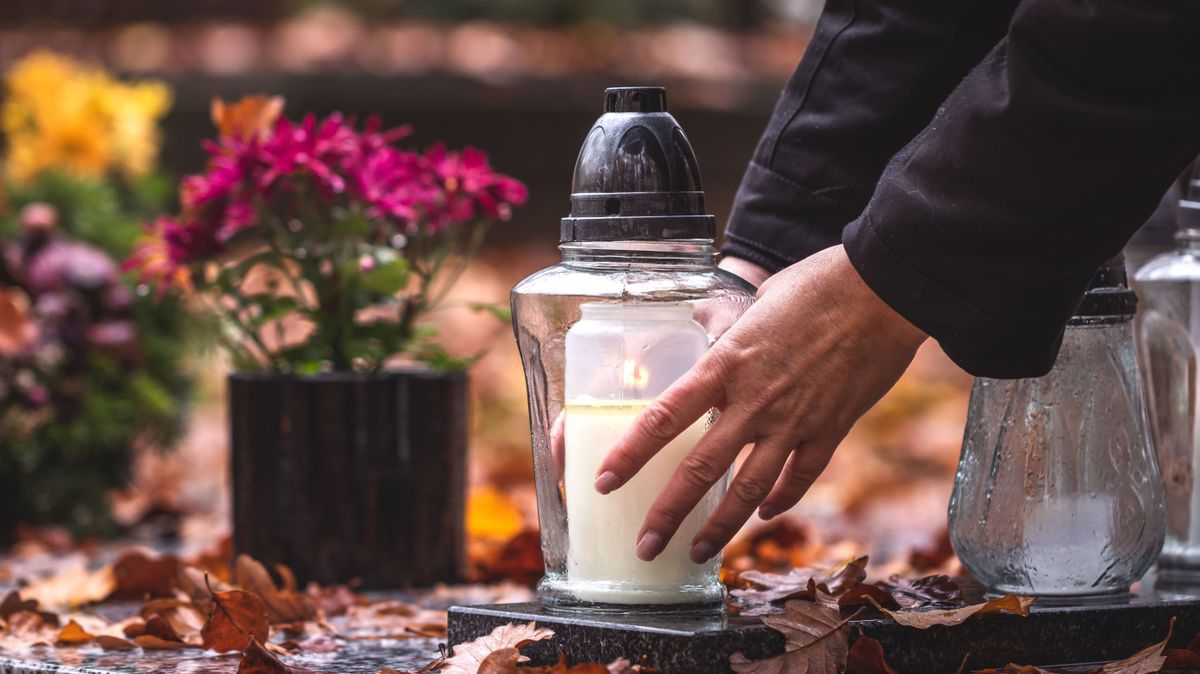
(700,644)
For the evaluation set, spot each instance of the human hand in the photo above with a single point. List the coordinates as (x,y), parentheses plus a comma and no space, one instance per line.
(816,350)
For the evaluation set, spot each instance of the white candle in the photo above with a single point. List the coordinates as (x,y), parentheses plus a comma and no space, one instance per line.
(619,357)
(601,562)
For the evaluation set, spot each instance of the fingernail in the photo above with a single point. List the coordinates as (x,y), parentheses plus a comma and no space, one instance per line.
(607,481)
(649,545)
(702,551)
(767,512)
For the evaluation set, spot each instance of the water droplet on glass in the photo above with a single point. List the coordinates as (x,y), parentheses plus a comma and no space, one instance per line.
(295,225)
(399,241)
(301,253)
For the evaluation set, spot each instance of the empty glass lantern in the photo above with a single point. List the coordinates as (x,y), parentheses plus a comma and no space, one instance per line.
(1168,335)
(1058,493)
(636,301)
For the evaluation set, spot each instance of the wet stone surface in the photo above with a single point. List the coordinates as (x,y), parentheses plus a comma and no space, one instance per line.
(1050,636)
(354,658)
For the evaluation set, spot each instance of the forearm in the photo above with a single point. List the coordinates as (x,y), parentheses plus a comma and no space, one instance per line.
(985,230)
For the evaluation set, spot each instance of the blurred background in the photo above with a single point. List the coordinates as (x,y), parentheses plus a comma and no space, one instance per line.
(523,81)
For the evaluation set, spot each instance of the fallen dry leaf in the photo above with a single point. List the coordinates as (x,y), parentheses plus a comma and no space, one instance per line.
(283,605)
(866,657)
(150,642)
(139,575)
(156,626)
(114,643)
(938,589)
(804,623)
(467,658)
(1181,658)
(73,635)
(237,618)
(504,661)
(13,603)
(772,587)
(1009,603)
(817,642)
(74,585)
(184,618)
(857,596)
(258,660)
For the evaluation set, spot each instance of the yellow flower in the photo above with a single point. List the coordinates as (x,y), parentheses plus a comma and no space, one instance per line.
(66,115)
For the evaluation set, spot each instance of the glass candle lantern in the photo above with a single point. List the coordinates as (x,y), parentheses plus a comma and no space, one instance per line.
(636,301)
(1168,339)
(1058,493)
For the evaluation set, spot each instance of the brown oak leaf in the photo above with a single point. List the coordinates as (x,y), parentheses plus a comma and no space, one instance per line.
(467,658)
(866,657)
(1009,603)
(237,617)
(771,587)
(817,642)
(73,635)
(258,660)
(283,605)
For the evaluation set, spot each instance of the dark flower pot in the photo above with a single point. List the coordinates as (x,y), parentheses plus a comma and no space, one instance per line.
(351,476)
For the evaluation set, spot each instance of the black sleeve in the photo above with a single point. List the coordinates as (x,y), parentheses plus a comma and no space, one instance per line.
(872,77)
(985,230)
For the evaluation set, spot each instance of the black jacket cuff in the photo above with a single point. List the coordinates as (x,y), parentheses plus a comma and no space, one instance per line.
(982,344)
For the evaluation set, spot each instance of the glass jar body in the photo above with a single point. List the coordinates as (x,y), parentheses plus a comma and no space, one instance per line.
(1168,331)
(1057,492)
(574,419)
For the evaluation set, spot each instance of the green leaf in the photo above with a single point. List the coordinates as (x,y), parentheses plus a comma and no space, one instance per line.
(499,311)
(387,277)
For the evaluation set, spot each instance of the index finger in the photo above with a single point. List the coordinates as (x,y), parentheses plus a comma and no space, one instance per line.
(663,419)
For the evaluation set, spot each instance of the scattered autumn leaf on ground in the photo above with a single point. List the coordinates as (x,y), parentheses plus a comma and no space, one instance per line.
(1009,603)
(73,634)
(857,596)
(258,660)
(284,605)
(237,617)
(467,658)
(504,661)
(866,657)
(817,642)
(114,643)
(139,575)
(937,589)
(772,587)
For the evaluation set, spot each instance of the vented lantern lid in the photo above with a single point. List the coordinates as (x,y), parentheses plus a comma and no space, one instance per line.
(636,178)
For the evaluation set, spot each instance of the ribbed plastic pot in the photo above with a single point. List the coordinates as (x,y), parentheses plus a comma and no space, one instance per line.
(351,476)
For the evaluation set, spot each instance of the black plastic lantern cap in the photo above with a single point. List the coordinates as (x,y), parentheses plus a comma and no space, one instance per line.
(636,178)
(1108,296)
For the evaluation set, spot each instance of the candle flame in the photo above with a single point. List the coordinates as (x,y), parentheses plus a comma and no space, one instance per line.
(634,374)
